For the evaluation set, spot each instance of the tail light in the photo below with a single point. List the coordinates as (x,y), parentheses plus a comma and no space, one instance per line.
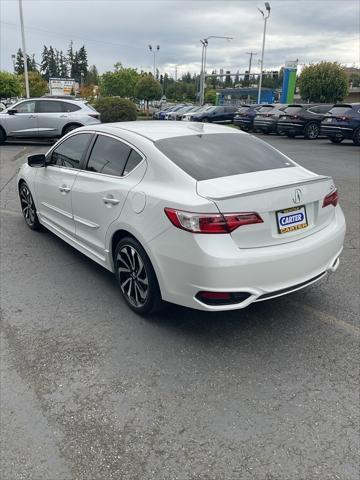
(211,222)
(222,298)
(269,114)
(94,115)
(345,118)
(331,199)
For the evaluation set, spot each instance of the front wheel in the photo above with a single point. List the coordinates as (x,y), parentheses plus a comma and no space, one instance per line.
(312,131)
(2,136)
(356,137)
(28,207)
(136,277)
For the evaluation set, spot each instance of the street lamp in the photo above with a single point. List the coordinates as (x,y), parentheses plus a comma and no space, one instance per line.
(27,90)
(154,52)
(205,43)
(265,17)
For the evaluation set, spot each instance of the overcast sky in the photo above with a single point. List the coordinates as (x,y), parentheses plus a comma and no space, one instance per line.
(119,30)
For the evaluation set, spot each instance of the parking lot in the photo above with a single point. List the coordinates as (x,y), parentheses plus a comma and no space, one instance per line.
(92,391)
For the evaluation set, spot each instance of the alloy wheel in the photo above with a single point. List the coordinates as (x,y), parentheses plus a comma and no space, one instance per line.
(132,275)
(27,205)
(312,131)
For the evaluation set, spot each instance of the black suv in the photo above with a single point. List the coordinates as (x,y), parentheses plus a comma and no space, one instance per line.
(244,117)
(220,114)
(342,121)
(302,120)
(266,119)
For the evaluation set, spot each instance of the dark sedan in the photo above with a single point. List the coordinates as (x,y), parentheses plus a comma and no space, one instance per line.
(219,114)
(302,120)
(342,121)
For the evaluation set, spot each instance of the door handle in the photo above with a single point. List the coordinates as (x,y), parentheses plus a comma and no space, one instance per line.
(63,116)
(64,189)
(111,200)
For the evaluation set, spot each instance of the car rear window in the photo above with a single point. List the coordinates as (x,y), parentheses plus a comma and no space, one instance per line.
(292,110)
(265,108)
(340,110)
(243,110)
(70,107)
(221,154)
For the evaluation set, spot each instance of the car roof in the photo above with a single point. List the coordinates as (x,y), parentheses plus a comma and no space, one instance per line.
(154,130)
(63,99)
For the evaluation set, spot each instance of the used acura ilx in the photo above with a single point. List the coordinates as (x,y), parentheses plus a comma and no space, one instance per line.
(194,214)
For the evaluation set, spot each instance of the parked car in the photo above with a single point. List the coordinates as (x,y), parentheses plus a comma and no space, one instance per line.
(266,119)
(147,199)
(177,114)
(244,116)
(174,108)
(342,121)
(156,115)
(45,117)
(218,114)
(196,110)
(302,120)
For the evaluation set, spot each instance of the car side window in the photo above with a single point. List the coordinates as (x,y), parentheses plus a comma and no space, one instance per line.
(108,156)
(25,107)
(69,107)
(70,151)
(49,106)
(132,162)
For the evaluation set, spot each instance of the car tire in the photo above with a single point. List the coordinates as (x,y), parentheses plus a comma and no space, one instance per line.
(336,139)
(28,207)
(2,136)
(206,120)
(68,128)
(136,277)
(311,131)
(356,137)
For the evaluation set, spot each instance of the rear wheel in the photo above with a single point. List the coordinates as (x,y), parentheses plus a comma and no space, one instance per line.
(136,277)
(356,137)
(336,139)
(2,136)
(28,207)
(69,128)
(312,131)
(206,120)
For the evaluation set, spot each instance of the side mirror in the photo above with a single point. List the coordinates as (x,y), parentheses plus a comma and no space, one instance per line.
(37,160)
(12,111)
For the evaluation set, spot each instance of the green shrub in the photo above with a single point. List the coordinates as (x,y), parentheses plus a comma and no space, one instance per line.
(114,109)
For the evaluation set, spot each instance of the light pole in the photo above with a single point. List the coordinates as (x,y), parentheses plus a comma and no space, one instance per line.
(154,52)
(24,51)
(205,43)
(265,17)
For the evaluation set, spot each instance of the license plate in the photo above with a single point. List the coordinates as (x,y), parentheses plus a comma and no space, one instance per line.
(291,219)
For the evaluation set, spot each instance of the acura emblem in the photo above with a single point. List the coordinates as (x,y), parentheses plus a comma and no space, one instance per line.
(296,197)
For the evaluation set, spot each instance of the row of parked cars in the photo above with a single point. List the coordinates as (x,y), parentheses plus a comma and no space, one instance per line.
(337,122)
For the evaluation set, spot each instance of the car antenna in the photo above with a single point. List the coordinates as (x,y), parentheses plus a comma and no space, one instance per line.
(198,127)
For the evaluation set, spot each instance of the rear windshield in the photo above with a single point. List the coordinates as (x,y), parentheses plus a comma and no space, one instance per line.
(266,108)
(340,110)
(221,155)
(243,109)
(291,110)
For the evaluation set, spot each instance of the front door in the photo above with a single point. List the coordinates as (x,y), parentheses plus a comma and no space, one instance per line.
(23,123)
(100,191)
(51,117)
(54,183)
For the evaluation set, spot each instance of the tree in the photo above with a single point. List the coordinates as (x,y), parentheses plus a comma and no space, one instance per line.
(10,85)
(115,109)
(82,61)
(62,65)
(323,82)
(355,79)
(92,76)
(120,83)
(147,88)
(44,68)
(19,63)
(37,85)
(210,96)
(52,63)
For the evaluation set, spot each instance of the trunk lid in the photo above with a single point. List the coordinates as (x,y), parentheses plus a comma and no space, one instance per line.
(269,193)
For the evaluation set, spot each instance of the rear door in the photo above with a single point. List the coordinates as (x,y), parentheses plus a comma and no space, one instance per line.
(51,117)
(100,191)
(54,183)
(23,123)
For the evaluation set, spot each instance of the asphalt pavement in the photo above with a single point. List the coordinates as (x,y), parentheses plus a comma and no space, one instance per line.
(90,391)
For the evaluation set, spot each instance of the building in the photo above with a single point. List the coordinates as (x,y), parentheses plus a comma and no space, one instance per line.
(241,95)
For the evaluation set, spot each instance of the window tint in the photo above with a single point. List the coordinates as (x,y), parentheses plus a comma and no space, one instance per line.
(133,160)
(49,106)
(69,107)
(221,154)
(69,153)
(324,108)
(340,110)
(292,110)
(25,107)
(108,156)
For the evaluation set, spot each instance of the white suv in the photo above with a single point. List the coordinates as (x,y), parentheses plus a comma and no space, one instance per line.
(45,117)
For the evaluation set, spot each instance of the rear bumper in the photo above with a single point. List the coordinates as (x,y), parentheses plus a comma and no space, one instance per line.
(264,125)
(246,123)
(287,127)
(186,264)
(336,131)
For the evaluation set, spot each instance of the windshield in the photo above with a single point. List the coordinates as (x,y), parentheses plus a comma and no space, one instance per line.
(221,155)
(340,110)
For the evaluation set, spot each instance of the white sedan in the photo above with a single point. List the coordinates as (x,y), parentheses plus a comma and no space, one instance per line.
(194,214)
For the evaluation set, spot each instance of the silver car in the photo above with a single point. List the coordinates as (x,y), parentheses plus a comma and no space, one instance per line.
(45,117)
